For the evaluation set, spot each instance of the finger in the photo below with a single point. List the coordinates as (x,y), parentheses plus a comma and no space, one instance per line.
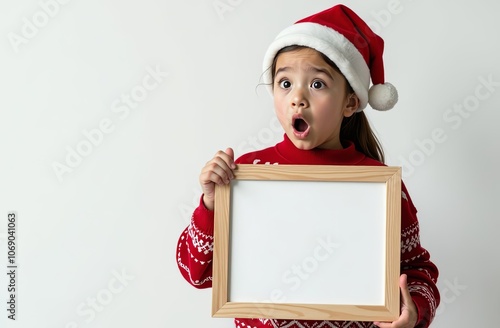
(230,153)
(222,159)
(213,173)
(227,156)
(217,171)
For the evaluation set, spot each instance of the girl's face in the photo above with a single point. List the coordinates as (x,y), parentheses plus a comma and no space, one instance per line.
(310,99)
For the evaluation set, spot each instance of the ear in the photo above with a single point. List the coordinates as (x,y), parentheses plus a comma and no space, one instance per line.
(352,105)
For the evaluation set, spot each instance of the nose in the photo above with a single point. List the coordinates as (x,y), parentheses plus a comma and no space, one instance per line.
(299,98)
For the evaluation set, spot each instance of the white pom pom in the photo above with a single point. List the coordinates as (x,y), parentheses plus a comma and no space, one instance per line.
(382,96)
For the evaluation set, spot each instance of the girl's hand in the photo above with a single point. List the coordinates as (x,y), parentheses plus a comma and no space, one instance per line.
(219,170)
(409,315)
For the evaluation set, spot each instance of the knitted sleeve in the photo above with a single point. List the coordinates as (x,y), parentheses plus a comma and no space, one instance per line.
(416,264)
(195,248)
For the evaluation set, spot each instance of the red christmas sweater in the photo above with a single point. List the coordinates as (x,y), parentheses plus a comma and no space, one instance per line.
(195,246)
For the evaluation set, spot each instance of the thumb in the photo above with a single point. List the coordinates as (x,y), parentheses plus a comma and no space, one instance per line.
(408,307)
(405,293)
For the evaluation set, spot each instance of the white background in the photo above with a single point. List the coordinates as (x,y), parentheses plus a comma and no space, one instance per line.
(118,210)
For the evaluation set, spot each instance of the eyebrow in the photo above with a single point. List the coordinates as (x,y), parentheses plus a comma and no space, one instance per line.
(282,69)
(311,68)
(321,70)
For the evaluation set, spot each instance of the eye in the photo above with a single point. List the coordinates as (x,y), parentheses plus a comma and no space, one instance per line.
(318,84)
(285,84)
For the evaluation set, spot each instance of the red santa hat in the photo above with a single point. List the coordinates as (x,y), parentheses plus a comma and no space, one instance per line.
(349,42)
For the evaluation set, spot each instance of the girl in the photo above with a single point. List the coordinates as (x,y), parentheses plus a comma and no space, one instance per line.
(319,71)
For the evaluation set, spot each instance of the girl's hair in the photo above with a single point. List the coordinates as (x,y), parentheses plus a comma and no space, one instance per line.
(355,128)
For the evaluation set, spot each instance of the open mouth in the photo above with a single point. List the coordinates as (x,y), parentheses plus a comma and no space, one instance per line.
(300,126)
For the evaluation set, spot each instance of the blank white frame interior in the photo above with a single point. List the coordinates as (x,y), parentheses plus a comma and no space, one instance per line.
(297,242)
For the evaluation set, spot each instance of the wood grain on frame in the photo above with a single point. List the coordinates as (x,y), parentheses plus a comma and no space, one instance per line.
(224,307)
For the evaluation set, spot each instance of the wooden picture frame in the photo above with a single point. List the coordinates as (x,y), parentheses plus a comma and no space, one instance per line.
(333,278)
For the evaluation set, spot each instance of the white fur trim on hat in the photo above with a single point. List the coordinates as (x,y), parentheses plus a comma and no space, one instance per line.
(332,44)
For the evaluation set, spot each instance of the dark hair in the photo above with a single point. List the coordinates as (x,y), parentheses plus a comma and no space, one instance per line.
(355,128)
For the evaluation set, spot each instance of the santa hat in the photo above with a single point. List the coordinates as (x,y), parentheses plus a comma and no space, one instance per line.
(349,42)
